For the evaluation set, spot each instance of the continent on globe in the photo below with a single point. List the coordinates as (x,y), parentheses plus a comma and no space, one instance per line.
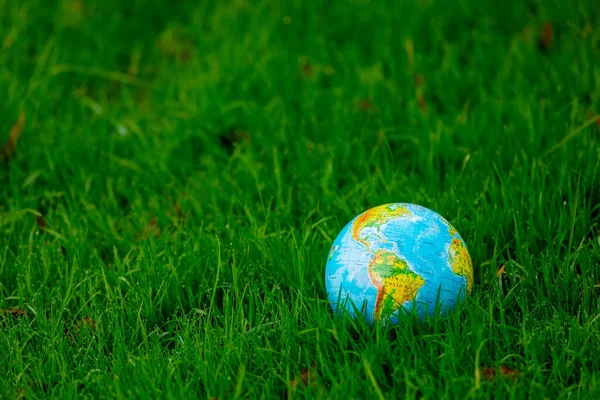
(395,282)
(374,218)
(332,251)
(461,261)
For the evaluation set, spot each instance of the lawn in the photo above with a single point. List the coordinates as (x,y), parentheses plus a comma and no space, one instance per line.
(173,174)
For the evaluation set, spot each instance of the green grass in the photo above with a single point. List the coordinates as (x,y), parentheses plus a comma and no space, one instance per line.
(185,166)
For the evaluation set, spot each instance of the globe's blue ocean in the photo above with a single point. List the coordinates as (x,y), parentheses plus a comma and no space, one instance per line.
(422,239)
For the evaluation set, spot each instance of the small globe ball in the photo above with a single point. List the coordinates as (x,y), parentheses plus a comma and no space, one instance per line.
(397,257)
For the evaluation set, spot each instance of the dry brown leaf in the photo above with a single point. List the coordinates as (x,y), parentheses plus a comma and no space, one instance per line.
(546,39)
(422,103)
(14,312)
(8,150)
(151,229)
(489,373)
(85,323)
(419,80)
(409,46)
(307,70)
(500,271)
(420,93)
(178,211)
(507,372)
(41,221)
(367,106)
(592,115)
(308,377)
(364,104)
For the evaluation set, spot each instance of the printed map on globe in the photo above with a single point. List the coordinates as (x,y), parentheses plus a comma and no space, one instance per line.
(398,256)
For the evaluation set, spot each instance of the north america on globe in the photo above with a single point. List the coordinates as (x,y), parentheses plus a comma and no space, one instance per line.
(398,256)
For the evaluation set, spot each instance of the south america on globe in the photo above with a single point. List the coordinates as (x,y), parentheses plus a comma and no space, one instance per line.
(397,257)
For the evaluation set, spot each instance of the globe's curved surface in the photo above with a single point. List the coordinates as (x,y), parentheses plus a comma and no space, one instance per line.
(397,256)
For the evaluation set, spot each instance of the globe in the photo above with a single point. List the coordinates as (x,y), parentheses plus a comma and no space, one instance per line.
(394,258)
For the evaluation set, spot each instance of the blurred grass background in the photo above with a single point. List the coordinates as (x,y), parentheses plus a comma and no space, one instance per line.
(174,172)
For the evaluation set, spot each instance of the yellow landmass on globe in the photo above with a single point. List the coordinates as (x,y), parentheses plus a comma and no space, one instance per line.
(373,218)
(395,282)
(460,261)
(333,249)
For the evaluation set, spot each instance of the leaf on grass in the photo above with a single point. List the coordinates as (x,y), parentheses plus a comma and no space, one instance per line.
(151,229)
(419,80)
(8,150)
(177,209)
(85,324)
(420,93)
(422,103)
(307,69)
(364,104)
(508,372)
(592,115)
(546,39)
(41,221)
(500,271)
(489,373)
(14,312)
(308,377)
(367,106)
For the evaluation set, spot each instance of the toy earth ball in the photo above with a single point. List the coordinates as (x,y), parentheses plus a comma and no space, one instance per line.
(397,257)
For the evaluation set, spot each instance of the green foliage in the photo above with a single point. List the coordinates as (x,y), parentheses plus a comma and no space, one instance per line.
(184,167)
